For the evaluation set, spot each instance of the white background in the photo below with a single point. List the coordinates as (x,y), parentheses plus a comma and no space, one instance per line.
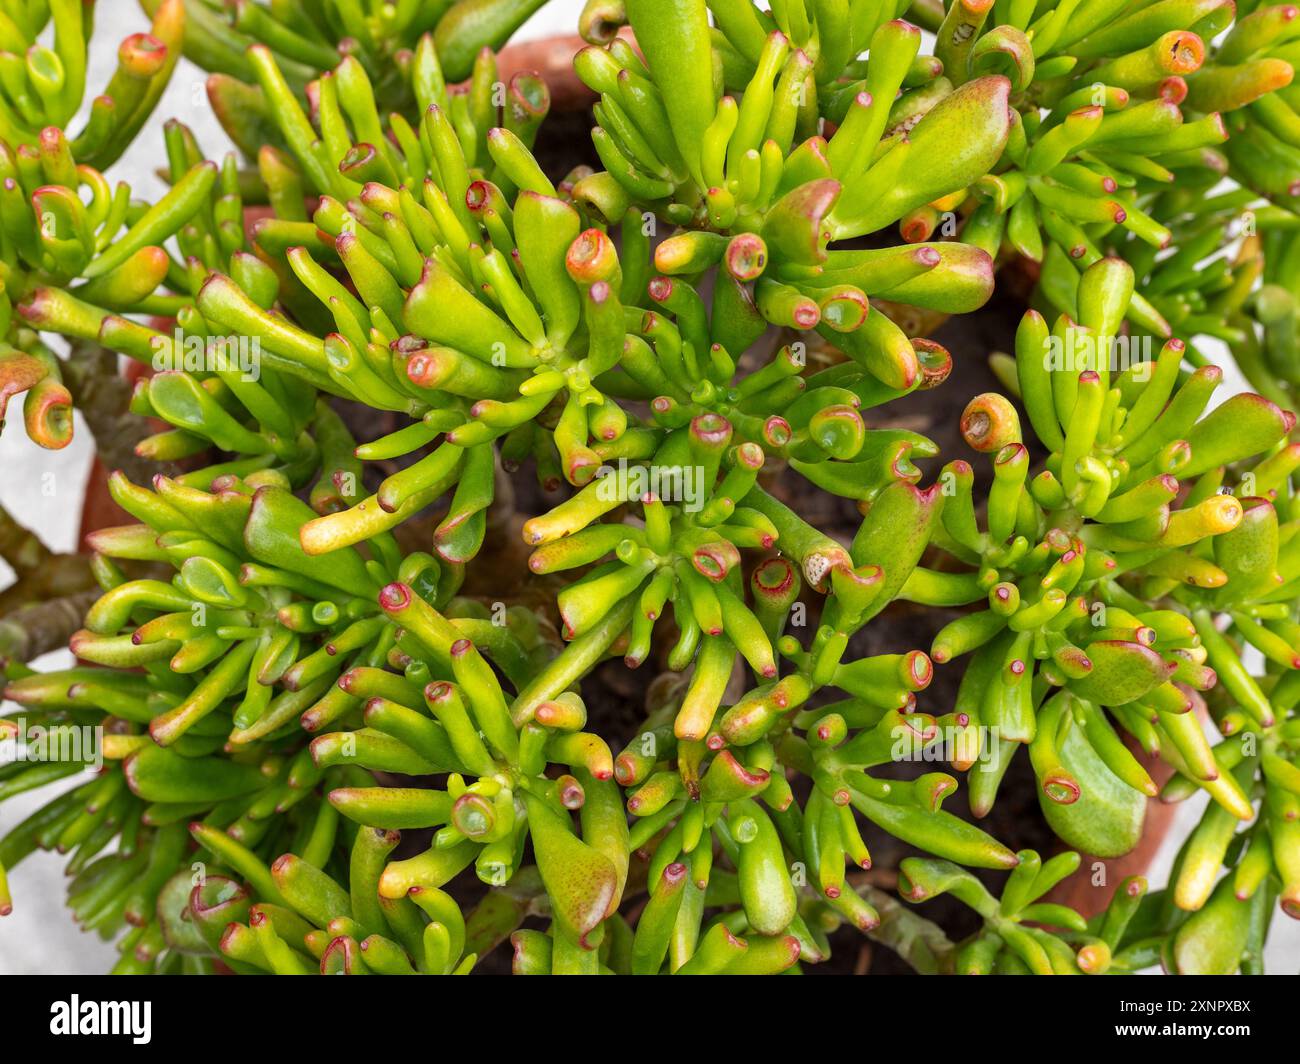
(39,937)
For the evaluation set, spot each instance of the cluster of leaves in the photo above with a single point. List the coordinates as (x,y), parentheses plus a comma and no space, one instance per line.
(286,683)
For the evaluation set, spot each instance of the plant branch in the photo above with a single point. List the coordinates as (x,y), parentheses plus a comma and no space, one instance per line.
(103,396)
(920,942)
(21,547)
(38,628)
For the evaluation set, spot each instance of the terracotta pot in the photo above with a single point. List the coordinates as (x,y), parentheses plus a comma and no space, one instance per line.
(552,58)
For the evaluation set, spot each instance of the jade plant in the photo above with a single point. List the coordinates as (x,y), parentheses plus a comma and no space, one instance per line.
(432,443)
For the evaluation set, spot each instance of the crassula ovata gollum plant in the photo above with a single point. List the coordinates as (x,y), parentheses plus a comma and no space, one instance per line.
(434,442)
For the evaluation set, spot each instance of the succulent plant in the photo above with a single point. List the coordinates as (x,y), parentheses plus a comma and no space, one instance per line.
(308,652)
(45,86)
(384,38)
(61,214)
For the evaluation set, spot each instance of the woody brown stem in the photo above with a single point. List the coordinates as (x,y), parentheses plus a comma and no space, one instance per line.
(40,627)
(102,395)
(20,547)
(920,942)
(62,574)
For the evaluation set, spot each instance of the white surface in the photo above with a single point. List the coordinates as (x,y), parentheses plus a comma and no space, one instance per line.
(39,937)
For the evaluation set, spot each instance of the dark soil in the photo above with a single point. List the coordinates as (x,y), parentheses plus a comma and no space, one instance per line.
(615,695)
(1015,820)
(564,141)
